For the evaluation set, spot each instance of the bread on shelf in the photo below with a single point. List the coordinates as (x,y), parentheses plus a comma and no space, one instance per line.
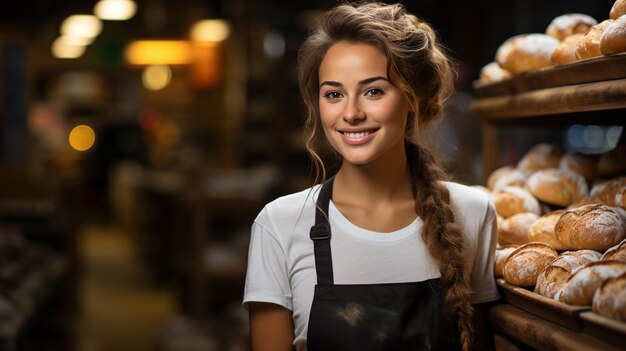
(567,24)
(557,186)
(523,265)
(581,285)
(594,227)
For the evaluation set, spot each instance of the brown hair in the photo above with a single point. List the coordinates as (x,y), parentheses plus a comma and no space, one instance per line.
(425,74)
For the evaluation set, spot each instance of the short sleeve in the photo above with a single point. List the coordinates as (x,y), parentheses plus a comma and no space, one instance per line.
(266,277)
(482,279)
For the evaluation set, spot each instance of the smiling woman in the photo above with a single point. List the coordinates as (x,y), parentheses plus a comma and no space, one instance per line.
(385,254)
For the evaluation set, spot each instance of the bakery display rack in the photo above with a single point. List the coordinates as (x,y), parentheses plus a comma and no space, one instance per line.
(591,91)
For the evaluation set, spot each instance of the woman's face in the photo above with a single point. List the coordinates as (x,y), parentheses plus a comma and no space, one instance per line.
(362,113)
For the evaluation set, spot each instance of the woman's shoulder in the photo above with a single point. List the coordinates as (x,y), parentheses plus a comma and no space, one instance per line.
(464,195)
(290,206)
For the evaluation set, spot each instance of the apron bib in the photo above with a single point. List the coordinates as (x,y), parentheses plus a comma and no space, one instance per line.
(373,317)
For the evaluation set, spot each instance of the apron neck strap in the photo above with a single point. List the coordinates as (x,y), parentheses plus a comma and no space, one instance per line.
(320,234)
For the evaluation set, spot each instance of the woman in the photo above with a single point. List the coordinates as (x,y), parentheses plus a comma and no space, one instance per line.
(384,255)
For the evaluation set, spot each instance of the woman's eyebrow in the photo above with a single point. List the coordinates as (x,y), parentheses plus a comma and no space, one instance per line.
(361,82)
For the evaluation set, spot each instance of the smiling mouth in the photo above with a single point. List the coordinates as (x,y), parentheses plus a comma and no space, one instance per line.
(358,137)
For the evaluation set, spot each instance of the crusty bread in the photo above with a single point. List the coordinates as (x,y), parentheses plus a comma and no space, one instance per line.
(557,186)
(511,200)
(589,44)
(611,192)
(611,163)
(617,252)
(618,9)
(565,25)
(553,278)
(515,228)
(610,300)
(501,255)
(594,227)
(613,39)
(587,200)
(541,156)
(542,230)
(581,285)
(526,52)
(505,176)
(566,51)
(524,264)
(492,72)
(583,164)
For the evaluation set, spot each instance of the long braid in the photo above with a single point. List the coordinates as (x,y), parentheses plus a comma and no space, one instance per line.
(442,235)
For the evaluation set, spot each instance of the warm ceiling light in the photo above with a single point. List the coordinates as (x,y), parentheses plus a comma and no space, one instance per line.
(82,137)
(158,52)
(156,77)
(213,30)
(62,48)
(85,26)
(115,10)
(76,41)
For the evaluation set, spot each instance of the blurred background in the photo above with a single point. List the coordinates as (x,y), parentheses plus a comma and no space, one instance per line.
(139,139)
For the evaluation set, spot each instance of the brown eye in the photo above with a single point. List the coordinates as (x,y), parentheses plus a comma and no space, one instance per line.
(374,92)
(332,95)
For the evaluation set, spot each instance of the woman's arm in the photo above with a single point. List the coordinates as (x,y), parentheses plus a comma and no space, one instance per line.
(271,327)
(483,337)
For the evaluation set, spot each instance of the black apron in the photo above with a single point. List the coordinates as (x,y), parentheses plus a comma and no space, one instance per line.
(390,317)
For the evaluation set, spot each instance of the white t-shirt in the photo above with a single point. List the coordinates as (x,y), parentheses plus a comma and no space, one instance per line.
(281,264)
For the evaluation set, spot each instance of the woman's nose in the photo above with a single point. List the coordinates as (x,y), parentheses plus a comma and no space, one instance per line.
(353,112)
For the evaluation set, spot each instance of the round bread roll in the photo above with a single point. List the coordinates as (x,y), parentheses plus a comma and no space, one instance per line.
(595,227)
(589,44)
(542,230)
(610,300)
(552,279)
(612,163)
(511,200)
(613,39)
(566,51)
(541,156)
(617,252)
(505,176)
(581,285)
(526,52)
(515,228)
(524,264)
(618,9)
(612,192)
(582,164)
(557,186)
(565,25)
(492,72)
(501,255)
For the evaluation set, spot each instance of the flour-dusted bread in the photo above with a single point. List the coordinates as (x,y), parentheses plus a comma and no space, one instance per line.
(610,300)
(523,265)
(583,164)
(505,176)
(611,192)
(581,285)
(566,51)
(618,9)
(511,200)
(613,39)
(515,228)
(541,156)
(589,44)
(502,253)
(565,25)
(553,278)
(557,186)
(594,227)
(542,230)
(526,52)
(617,252)
(492,72)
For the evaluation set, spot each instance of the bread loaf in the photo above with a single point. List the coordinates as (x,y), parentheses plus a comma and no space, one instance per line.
(581,285)
(542,230)
(525,263)
(492,72)
(505,176)
(589,44)
(585,165)
(526,52)
(515,228)
(612,192)
(553,278)
(541,156)
(613,39)
(566,51)
(501,255)
(557,186)
(612,163)
(617,252)
(610,300)
(618,9)
(511,200)
(565,25)
(587,200)
(595,227)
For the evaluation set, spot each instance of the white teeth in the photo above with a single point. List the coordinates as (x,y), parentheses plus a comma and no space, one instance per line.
(356,135)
